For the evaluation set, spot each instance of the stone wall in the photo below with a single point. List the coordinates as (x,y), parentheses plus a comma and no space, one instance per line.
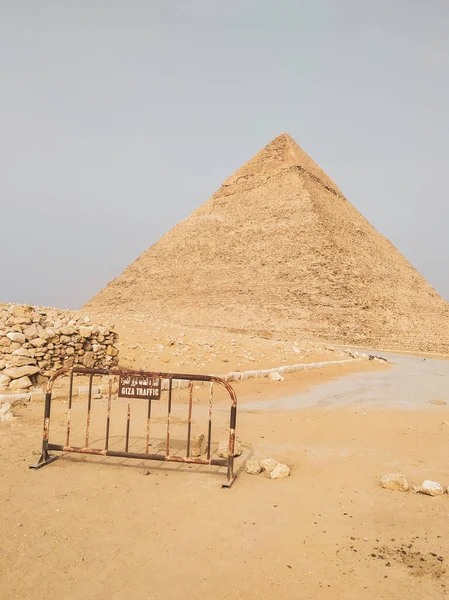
(35,342)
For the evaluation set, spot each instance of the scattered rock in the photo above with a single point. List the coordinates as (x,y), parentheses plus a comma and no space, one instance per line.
(394,481)
(268,464)
(22,310)
(223,449)
(24,352)
(89,360)
(430,488)
(22,383)
(31,332)
(198,445)
(85,332)
(6,413)
(15,399)
(17,372)
(51,338)
(15,336)
(21,361)
(275,376)
(280,471)
(4,380)
(252,467)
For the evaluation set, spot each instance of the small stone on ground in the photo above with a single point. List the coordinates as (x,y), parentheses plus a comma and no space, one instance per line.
(252,467)
(268,464)
(280,471)
(6,412)
(430,488)
(275,376)
(223,449)
(198,446)
(394,481)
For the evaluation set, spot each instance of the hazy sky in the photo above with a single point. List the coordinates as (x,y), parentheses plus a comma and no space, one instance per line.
(119,118)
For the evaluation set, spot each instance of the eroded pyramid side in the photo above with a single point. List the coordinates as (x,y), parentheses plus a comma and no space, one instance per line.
(279,248)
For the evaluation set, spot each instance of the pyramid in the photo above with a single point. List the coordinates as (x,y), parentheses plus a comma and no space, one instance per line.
(278,248)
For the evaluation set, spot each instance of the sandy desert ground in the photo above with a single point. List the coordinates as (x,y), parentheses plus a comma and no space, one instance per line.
(110,528)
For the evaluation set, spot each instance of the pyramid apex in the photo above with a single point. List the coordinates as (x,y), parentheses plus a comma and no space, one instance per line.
(281,153)
(284,134)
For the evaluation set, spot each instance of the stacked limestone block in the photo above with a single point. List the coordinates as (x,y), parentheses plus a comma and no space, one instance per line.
(35,342)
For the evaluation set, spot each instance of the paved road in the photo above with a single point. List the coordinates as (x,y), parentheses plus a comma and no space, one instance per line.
(409,384)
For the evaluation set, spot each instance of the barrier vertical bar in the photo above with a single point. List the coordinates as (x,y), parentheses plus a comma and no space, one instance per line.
(89,405)
(167,447)
(209,430)
(45,457)
(128,419)
(147,441)
(232,424)
(189,426)
(108,412)
(69,410)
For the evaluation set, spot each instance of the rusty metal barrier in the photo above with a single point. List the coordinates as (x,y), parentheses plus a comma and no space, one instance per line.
(150,386)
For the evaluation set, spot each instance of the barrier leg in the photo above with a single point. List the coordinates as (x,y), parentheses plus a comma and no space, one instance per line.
(45,458)
(230,473)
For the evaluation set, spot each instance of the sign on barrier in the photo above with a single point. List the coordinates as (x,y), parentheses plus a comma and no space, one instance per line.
(133,386)
(145,387)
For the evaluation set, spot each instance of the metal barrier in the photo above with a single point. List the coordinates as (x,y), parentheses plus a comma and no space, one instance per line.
(145,386)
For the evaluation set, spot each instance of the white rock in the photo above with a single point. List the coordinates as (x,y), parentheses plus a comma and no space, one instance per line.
(252,467)
(84,389)
(85,332)
(6,412)
(234,376)
(17,372)
(89,360)
(280,471)
(275,376)
(268,464)
(21,361)
(15,336)
(31,332)
(20,384)
(198,445)
(430,488)
(4,380)
(15,399)
(223,449)
(394,481)
(22,352)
